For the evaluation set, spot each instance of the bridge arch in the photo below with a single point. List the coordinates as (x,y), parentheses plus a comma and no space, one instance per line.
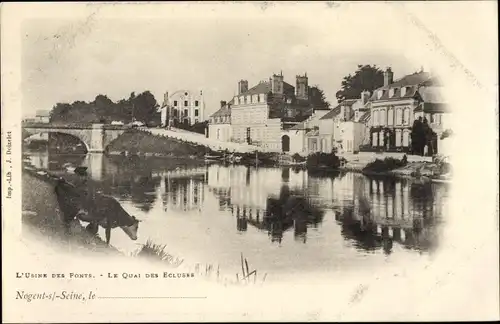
(28,134)
(95,137)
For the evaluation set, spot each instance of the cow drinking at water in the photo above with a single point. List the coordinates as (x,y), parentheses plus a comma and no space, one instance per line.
(96,209)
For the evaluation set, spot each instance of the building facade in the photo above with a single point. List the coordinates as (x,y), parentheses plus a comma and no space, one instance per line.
(42,116)
(260,114)
(219,127)
(340,128)
(395,106)
(182,107)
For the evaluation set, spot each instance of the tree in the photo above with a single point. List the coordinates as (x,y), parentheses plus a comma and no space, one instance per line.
(145,107)
(366,77)
(317,98)
(418,137)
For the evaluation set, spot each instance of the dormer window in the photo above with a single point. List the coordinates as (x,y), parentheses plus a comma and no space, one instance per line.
(392,91)
(403,91)
(380,93)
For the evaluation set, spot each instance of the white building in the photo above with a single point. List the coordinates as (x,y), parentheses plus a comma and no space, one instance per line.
(219,127)
(42,116)
(297,133)
(351,137)
(182,107)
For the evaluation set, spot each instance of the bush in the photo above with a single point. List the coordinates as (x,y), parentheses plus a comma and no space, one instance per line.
(385,165)
(446,133)
(323,160)
(298,158)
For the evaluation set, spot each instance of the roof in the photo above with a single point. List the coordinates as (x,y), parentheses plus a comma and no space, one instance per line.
(262,87)
(299,126)
(265,87)
(432,94)
(313,132)
(411,81)
(334,112)
(429,107)
(365,117)
(224,111)
(42,113)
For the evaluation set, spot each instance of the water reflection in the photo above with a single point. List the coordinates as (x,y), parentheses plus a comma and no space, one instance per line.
(372,213)
(288,206)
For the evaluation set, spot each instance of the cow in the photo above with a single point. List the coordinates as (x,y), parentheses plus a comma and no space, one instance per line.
(94,208)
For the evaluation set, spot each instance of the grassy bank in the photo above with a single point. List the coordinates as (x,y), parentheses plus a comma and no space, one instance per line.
(137,142)
(400,168)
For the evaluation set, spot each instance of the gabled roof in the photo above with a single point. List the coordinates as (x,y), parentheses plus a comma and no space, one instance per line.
(334,112)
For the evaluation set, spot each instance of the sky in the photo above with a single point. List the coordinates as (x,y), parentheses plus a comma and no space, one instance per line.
(77,57)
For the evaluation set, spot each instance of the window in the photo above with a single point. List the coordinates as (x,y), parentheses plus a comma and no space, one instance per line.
(403,91)
(175,103)
(185,103)
(391,92)
(405,139)
(196,112)
(374,139)
(390,117)
(399,116)
(196,103)
(176,112)
(406,116)
(380,93)
(382,117)
(398,138)
(185,112)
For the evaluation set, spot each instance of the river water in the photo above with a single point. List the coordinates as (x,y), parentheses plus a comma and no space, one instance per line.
(286,222)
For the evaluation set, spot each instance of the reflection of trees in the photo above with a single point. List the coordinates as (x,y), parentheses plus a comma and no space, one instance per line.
(383,214)
(288,210)
(56,161)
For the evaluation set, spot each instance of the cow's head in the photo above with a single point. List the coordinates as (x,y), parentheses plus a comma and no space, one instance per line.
(131,230)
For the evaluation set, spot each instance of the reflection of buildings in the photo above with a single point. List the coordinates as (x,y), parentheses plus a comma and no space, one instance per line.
(382,211)
(183,192)
(262,198)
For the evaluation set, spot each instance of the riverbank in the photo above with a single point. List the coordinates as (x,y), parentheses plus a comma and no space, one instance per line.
(422,170)
(142,143)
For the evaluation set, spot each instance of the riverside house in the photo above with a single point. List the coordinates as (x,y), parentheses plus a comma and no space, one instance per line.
(219,127)
(394,107)
(340,128)
(259,115)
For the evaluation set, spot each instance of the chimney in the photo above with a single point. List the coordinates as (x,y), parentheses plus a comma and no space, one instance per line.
(242,86)
(388,77)
(165,99)
(223,103)
(277,84)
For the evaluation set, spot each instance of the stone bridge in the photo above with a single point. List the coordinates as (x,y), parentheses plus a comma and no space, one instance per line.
(95,137)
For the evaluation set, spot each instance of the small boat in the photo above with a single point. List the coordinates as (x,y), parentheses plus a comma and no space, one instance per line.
(212,157)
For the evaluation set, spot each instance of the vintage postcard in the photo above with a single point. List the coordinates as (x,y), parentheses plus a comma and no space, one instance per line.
(249,161)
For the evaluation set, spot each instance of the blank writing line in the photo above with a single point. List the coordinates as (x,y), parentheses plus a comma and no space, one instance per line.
(152,297)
